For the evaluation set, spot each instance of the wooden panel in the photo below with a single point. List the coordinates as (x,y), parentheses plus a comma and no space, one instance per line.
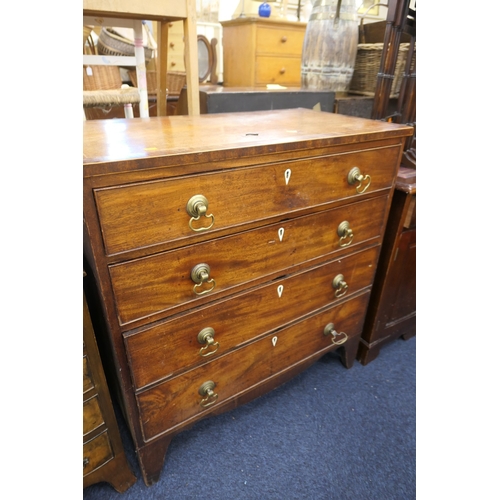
(238,55)
(401,293)
(176,401)
(163,281)
(96,453)
(167,348)
(146,214)
(92,415)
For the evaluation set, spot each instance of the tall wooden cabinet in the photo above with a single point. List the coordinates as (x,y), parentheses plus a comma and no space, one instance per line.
(392,312)
(231,251)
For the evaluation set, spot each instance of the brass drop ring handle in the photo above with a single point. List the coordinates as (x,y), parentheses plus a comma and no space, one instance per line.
(354,176)
(197,207)
(345,232)
(207,389)
(200,274)
(330,330)
(206,336)
(340,285)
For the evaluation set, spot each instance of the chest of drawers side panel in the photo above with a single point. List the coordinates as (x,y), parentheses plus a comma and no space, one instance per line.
(238,55)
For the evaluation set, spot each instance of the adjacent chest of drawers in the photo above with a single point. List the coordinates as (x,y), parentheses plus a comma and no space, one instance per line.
(259,51)
(103,455)
(230,252)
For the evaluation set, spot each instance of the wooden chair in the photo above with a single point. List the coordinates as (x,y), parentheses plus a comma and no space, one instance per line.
(102,85)
(131,13)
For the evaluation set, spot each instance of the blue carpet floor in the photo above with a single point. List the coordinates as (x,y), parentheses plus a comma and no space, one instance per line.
(329,433)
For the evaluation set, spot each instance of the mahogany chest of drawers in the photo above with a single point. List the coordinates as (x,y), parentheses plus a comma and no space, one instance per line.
(230,252)
(258,51)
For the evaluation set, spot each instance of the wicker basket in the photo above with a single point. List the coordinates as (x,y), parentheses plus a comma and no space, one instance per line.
(175,81)
(101,78)
(364,79)
(368,58)
(111,43)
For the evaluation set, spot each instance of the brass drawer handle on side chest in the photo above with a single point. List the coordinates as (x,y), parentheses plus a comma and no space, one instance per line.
(330,330)
(197,207)
(354,176)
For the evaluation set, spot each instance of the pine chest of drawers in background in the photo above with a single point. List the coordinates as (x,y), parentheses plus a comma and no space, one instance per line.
(259,51)
(230,252)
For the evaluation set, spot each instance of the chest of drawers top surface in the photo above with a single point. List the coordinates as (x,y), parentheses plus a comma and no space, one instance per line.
(110,145)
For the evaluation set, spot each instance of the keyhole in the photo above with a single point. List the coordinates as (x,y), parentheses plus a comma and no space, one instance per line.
(288,174)
(280,291)
(281,232)
(274,341)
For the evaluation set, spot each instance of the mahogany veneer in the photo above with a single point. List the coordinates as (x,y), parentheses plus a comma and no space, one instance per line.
(204,313)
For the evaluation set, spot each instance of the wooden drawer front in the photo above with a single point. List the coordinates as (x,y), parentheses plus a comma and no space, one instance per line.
(177,400)
(279,41)
(270,69)
(92,416)
(155,284)
(96,453)
(166,349)
(147,214)
(87,377)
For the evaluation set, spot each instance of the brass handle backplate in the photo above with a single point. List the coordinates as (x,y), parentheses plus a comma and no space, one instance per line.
(206,336)
(200,274)
(330,330)
(207,389)
(345,232)
(340,285)
(354,176)
(197,207)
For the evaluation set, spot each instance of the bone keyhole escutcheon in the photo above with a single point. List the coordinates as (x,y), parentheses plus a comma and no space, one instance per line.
(274,340)
(288,174)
